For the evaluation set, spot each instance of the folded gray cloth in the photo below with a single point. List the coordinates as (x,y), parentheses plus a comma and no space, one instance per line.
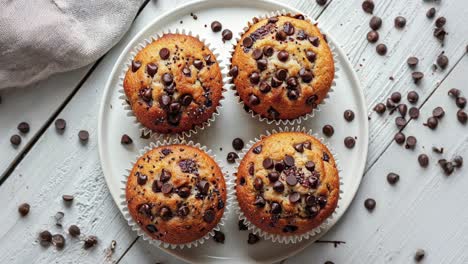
(42,37)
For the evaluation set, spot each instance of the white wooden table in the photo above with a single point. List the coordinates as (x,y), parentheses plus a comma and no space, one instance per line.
(426,209)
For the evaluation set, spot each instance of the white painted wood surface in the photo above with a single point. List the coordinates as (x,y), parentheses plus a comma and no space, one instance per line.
(424,210)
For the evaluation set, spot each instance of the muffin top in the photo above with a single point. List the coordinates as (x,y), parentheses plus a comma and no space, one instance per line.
(282,67)
(176,193)
(173,84)
(287,183)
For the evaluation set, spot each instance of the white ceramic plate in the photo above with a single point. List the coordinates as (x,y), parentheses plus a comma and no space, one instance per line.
(234,122)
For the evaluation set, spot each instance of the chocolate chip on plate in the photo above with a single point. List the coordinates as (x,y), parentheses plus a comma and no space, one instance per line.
(438,150)
(375,22)
(23,209)
(90,242)
(126,140)
(399,138)
(238,144)
(60,124)
(454,92)
(423,160)
(460,102)
(83,135)
(462,116)
(368,6)
(219,237)
(417,76)
(457,161)
(400,122)
(414,112)
(446,166)
(74,230)
(68,197)
(216,26)
(419,255)
(440,33)
(45,237)
(372,36)
(369,203)
(396,97)
(349,142)
(431,122)
(380,108)
(23,127)
(226,35)
(232,157)
(252,239)
(242,225)
(328,130)
(393,178)
(381,49)
(321,2)
(438,112)
(411,142)
(348,115)
(400,22)
(402,109)
(58,241)
(413,97)
(440,22)
(442,61)
(15,140)
(412,61)
(431,12)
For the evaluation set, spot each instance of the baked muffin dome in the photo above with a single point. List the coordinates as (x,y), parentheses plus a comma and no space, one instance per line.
(287,183)
(176,193)
(282,67)
(174,84)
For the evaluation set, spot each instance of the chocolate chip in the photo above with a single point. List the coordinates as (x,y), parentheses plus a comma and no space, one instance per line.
(413,97)
(390,104)
(203,187)
(74,231)
(275,208)
(281,74)
(446,166)
(349,142)
(417,76)
(257,54)
(299,147)
(226,35)
(275,82)
(402,109)
(167,78)
(314,40)
(423,160)
(293,94)
(247,42)
(199,65)
(268,51)
(380,108)
(462,116)
(440,22)
(174,108)
(184,192)
(257,149)
(288,161)
(151,69)
(458,161)
(438,112)
(90,242)
(23,209)
(411,142)
(294,197)
(253,100)
(375,23)
(166,188)
(186,71)
(151,228)
(126,140)
(412,61)
(393,178)
(23,127)
(60,124)
(141,178)
(165,100)
(288,28)
(440,33)
(328,130)
(419,255)
(268,163)
(216,26)
(272,20)
(431,122)
(165,175)
(260,201)
(396,97)
(273,176)
(311,100)
(310,165)
(219,237)
(164,53)
(157,185)
(232,157)
(321,2)
(372,36)
(83,135)
(400,22)
(242,225)
(291,180)
(370,204)
(400,122)
(311,56)
(368,6)
(306,75)
(264,87)
(283,55)
(278,186)
(186,100)
(431,12)
(438,150)
(136,65)
(183,211)
(258,184)
(310,200)
(254,78)
(460,102)
(58,241)
(414,112)
(454,92)
(15,140)
(348,115)
(442,61)
(253,239)
(399,138)
(165,213)
(45,237)
(67,197)
(381,49)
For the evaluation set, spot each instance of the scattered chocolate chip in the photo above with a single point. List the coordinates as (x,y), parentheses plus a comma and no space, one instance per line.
(226,35)
(90,242)
(402,109)
(328,130)
(348,115)
(400,122)
(368,6)
(457,161)
(423,160)
(438,150)
(454,92)
(440,22)
(381,49)
(23,209)
(393,178)
(442,61)
(136,65)
(413,97)
(412,61)
(446,166)
(419,255)
(67,197)
(219,237)
(399,138)
(396,97)
(45,237)
(23,127)
(440,33)
(60,124)
(372,36)
(247,42)
(58,218)
(232,157)
(126,140)
(349,142)
(370,204)
(380,108)
(400,22)
(375,22)
(431,122)
(216,26)
(74,231)
(438,112)
(238,144)
(417,76)
(58,241)
(253,239)
(390,104)
(414,112)
(460,102)
(15,140)
(411,142)
(462,116)
(321,2)
(242,225)
(83,135)
(431,12)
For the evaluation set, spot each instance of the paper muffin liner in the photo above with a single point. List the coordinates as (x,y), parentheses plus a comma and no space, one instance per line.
(285,122)
(135,227)
(128,62)
(285,239)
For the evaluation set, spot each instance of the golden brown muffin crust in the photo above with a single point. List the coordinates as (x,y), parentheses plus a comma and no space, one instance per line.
(176,193)
(174,84)
(287,183)
(282,67)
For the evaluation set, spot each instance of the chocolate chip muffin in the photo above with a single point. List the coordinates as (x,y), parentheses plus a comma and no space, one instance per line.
(176,193)
(287,184)
(174,84)
(282,67)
